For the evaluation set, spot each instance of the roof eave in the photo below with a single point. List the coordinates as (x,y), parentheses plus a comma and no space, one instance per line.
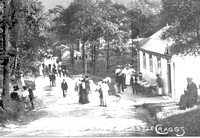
(154,53)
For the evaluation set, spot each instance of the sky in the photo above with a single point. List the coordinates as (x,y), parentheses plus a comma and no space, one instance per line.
(49,4)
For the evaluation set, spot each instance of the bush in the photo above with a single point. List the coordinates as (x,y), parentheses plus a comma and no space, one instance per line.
(170,117)
(7,114)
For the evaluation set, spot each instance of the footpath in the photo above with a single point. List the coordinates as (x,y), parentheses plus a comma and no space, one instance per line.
(58,116)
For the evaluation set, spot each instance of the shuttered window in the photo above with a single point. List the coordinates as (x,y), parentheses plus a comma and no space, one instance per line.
(151,63)
(144,61)
(159,66)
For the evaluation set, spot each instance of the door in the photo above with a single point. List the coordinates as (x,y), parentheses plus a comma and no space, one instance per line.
(169,78)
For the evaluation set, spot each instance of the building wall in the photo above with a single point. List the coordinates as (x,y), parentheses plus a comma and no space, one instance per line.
(151,76)
(181,68)
(188,66)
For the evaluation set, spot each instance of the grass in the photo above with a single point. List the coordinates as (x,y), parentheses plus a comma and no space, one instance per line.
(171,118)
(9,114)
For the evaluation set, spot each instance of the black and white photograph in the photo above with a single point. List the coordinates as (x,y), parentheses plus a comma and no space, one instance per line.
(99,68)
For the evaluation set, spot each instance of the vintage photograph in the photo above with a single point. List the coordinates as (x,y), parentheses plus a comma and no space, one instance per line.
(99,68)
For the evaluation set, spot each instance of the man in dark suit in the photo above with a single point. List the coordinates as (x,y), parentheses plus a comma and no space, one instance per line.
(64,87)
(190,96)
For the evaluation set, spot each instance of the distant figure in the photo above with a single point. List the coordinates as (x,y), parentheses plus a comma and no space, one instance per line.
(59,70)
(53,79)
(87,86)
(54,70)
(127,75)
(25,96)
(83,95)
(105,89)
(31,96)
(22,80)
(50,79)
(64,87)
(190,96)
(119,77)
(14,95)
(159,82)
(100,93)
(40,70)
(46,70)
(92,86)
(49,66)
(133,82)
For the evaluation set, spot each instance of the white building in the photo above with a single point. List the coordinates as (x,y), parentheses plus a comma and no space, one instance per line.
(154,58)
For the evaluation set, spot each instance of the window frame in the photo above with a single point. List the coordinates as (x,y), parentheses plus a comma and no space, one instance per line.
(159,65)
(144,60)
(151,62)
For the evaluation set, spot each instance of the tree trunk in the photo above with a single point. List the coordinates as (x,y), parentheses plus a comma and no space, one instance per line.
(6,69)
(132,53)
(83,56)
(108,56)
(92,54)
(78,48)
(94,60)
(72,56)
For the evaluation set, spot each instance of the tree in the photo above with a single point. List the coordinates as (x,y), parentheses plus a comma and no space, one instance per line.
(113,32)
(142,20)
(27,31)
(22,25)
(66,26)
(183,18)
(80,22)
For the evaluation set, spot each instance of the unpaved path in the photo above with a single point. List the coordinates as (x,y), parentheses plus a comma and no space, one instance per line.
(58,116)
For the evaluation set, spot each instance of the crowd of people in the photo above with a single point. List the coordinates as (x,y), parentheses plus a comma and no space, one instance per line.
(53,70)
(85,86)
(125,77)
(24,98)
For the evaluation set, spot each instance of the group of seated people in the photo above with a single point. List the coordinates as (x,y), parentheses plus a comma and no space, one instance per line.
(25,97)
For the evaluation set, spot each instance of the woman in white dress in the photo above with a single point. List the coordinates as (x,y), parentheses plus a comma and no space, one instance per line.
(26,99)
(105,88)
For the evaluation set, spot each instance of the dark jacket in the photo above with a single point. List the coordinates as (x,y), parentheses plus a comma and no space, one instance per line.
(64,85)
(31,95)
(14,96)
(159,82)
(192,90)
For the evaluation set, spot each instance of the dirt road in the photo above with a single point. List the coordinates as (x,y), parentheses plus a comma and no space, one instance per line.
(58,116)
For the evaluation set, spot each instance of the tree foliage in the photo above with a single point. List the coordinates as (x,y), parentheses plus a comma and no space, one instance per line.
(90,22)
(27,29)
(183,18)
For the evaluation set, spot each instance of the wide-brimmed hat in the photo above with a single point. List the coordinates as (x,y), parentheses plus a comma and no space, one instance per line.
(107,80)
(16,88)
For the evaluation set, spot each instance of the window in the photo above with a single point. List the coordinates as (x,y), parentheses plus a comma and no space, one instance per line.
(144,60)
(151,63)
(159,66)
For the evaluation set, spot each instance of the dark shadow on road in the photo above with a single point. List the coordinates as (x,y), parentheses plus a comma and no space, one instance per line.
(48,88)
(31,116)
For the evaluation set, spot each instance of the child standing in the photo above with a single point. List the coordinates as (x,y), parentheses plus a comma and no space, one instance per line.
(100,93)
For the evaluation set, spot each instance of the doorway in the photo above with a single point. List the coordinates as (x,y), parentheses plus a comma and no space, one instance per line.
(169,77)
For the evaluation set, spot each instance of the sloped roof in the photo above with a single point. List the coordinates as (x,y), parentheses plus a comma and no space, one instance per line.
(137,41)
(156,44)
